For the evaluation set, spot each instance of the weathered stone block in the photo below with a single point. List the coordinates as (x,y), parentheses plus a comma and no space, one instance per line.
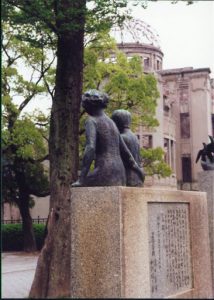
(206,184)
(139,243)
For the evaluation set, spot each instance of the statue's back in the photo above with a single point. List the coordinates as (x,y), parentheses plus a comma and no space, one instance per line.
(109,168)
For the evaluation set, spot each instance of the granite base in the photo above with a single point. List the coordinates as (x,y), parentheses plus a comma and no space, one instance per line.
(139,243)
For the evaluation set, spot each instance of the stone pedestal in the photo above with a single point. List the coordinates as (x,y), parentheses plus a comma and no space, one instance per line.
(206,184)
(139,243)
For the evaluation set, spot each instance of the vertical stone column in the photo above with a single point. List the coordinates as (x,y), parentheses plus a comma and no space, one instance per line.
(174,157)
(170,153)
(109,244)
(206,184)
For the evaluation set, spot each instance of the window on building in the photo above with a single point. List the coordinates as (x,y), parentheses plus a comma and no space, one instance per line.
(166,106)
(146,62)
(185,125)
(166,150)
(186,169)
(147,141)
(213,124)
(158,65)
(173,155)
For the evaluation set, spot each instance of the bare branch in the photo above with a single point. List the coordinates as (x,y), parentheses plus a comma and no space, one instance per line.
(27,100)
(40,194)
(45,138)
(43,72)
(81,131)
(82,113)
(10,60)
(41,124)
(39,160)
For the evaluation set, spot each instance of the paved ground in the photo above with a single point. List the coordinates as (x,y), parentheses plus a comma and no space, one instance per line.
(18,270)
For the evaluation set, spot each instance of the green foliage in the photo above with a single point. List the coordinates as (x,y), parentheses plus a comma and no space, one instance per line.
(144,3)
(41,22)
(153,162)
(128,87)
(122,79)
(24,135)
(12,236)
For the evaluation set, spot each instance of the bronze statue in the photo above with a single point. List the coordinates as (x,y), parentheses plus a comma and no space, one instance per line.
(122,119)
(206,155)
(104,146)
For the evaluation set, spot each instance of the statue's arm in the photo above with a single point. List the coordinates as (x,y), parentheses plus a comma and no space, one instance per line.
(129,159)
(90,150)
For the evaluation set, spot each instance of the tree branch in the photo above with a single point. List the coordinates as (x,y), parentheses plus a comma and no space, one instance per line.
(33,13)
(40,194)
(44,137)
(27,100)
(82,113)
(81,131)
(41,124)
(10,59)
(46,157)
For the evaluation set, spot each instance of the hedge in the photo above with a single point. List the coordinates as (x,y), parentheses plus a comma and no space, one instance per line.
(12,236)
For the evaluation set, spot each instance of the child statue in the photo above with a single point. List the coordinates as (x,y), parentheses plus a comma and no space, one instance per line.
(104,145)
(122,119)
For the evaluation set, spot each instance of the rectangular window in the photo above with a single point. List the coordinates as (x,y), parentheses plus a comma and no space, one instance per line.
(158,65)
(147,141)
(166,150)
(185,125)
(146,62)
(213,124)
(166,106)
(186,169)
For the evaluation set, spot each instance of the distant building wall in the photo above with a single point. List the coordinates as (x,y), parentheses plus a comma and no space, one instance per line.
(40,209)
(191,90)
(185,111)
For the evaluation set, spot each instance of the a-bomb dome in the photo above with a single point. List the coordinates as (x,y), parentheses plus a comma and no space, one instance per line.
(135,31)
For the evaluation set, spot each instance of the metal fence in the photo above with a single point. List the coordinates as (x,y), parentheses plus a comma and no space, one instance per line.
(36,221)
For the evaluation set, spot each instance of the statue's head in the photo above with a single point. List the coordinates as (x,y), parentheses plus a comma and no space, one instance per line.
(93,100)
(122,118)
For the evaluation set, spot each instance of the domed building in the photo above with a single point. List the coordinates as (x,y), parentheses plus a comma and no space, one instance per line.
(185,108)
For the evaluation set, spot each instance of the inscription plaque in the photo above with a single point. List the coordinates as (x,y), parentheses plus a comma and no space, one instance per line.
(169,243)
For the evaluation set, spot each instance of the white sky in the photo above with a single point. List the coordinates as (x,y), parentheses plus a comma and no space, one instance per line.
(186,32)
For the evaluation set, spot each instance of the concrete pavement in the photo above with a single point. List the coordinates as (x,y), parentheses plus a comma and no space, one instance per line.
(18,269)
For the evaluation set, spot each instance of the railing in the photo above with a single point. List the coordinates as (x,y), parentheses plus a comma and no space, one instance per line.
(37,221)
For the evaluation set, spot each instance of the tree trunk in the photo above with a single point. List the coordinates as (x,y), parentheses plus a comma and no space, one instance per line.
(27,225)
(52,278)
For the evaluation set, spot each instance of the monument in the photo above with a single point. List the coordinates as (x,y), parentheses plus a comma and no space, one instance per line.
(105,146)
(132,242)
(122,119)
(206,184)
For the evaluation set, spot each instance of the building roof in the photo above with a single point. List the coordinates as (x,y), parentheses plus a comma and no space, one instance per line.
(135,31)
(139,47)
(183,70)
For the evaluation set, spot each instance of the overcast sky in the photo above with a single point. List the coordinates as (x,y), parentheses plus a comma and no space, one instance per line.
(186,32)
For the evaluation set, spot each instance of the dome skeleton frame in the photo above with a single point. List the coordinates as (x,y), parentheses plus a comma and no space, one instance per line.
(138,31)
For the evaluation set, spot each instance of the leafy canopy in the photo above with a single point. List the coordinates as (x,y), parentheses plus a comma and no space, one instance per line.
(24,135)
(107,68)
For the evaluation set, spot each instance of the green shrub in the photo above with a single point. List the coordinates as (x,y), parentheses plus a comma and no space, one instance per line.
(12,236)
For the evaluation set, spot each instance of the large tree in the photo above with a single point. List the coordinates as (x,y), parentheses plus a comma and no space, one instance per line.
(65,21)
(23,136)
